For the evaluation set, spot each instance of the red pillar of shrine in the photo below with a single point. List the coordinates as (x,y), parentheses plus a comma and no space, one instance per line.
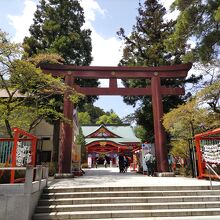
(159,133)
(66,132)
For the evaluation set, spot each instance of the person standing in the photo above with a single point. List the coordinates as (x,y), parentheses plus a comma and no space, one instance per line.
(105,163)
(127,163)
(121,163)
(96,162)
(149,163)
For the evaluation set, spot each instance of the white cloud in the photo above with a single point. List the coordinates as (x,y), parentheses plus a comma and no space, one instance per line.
(23,22)
(106,52)
(171,15)
(91,7)
(167,3)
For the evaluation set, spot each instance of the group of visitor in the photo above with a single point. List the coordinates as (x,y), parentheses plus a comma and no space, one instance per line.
(105,161)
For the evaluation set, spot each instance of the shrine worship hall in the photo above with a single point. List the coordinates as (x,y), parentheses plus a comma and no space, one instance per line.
(108,141)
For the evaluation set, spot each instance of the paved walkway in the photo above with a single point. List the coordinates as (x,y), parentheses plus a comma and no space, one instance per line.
(111,177)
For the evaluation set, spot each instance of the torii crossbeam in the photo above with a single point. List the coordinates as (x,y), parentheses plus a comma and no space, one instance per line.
(156,90)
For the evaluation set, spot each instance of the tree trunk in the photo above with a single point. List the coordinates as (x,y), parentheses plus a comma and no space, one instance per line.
(8,127)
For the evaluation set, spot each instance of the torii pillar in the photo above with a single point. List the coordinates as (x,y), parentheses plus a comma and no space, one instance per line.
(159,133)
(66,143)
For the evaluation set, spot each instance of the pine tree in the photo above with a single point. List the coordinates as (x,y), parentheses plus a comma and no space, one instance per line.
(58,29)
(146,47)
(198,20)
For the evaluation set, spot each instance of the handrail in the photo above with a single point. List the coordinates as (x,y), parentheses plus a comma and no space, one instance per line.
(41,173)
(12,168)
(211,169)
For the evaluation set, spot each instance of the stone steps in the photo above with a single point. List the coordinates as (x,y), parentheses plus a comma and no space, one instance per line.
(129,193)
(129,202)
(98,200)
(129,206)
(125,188)
(127,213)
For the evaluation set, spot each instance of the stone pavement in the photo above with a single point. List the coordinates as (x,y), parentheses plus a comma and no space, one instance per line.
(111,177)
(61,199)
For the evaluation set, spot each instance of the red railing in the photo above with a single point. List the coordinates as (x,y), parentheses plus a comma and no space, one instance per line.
(208,137)
(20,137)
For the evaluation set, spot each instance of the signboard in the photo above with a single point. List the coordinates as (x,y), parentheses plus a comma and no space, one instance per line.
(211,153)
(23,154)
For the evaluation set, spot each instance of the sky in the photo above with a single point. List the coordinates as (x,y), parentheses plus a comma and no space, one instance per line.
(103,17)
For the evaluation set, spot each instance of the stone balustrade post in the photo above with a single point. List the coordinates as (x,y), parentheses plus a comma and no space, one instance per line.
(28,180)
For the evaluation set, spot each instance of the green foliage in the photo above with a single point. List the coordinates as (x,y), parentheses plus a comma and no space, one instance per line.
(29,94)
(198,20)
(140,132)
(187,120)
(179,148)
(211,96)
(192,118)
(46,58)
(80,140)
(109,118)
(145,46)
(84,118)
(93,111)
(217,14)
(58,29)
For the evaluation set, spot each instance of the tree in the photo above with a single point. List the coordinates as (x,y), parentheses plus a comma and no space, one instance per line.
(84,118)
(185,121)
(140,132)
(94,112)
(198,21)
(28,92)
(80,140)
(180,148)
(58,28)
(145,46)
(211,95)
(109,118)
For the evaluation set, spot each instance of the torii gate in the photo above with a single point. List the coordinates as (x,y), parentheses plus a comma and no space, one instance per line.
(70,72)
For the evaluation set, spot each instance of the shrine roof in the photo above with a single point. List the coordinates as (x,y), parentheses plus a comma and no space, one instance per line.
(121,141)
(123,133)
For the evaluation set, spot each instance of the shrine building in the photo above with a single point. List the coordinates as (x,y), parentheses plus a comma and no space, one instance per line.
(108,141)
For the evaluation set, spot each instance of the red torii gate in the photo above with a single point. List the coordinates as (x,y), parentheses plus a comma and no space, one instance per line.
(70,72)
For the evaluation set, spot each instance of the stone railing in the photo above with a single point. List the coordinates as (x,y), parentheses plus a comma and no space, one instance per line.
(19,200)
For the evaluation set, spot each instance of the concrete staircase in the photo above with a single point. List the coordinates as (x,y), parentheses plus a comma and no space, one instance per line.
(153,202)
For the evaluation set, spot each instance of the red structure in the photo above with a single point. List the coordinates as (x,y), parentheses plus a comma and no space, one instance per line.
(21,138)
(208,141)
(109,141)
(156,90)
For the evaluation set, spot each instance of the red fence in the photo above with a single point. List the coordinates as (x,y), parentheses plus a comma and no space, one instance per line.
(19,151)
(208,151)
